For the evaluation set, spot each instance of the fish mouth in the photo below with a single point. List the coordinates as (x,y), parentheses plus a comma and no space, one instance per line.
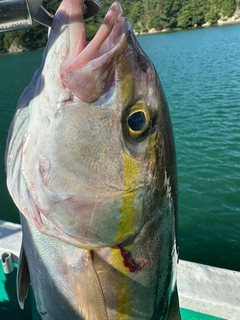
(87,70)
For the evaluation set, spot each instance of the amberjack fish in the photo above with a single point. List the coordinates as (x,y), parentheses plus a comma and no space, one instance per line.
(91,166)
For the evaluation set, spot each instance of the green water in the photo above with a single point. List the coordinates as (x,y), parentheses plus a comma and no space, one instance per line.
(200,72)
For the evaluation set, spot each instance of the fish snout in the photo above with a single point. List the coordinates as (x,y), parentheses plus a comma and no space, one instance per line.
(87,70)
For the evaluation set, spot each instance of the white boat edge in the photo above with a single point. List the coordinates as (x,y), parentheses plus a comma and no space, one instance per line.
(202,288)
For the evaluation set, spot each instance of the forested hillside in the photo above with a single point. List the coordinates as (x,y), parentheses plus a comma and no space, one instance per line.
(143,15)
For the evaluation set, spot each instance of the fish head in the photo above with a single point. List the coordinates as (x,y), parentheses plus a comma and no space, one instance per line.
(96,154)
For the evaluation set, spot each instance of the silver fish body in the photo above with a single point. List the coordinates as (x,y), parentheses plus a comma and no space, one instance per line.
(91,166)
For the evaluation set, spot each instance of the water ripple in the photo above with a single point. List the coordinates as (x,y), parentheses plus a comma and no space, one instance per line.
(200,71)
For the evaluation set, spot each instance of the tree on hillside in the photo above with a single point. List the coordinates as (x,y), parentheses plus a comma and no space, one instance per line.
(136,14)
(185,18)
(228,7)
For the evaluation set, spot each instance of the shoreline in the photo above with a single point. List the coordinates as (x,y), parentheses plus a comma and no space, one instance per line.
(230,21)
(235,19)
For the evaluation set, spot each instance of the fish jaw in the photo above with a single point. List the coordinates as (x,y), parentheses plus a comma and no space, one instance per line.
(86,71)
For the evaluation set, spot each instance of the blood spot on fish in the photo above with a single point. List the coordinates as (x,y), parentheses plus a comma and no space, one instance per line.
(129,262)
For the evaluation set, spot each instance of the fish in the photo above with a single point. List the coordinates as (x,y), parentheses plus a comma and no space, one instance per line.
(91,166)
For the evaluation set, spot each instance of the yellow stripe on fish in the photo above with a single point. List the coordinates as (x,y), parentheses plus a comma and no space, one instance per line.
(122,258)
(123,308)
(131,170)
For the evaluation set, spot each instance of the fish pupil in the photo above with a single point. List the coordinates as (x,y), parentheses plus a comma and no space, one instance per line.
(137,121)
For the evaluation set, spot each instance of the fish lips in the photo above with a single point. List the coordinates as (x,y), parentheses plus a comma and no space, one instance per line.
(87,71)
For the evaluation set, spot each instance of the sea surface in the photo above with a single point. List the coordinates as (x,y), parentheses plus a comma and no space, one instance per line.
(200,73)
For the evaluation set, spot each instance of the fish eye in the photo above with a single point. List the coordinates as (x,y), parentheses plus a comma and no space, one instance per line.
(137,120)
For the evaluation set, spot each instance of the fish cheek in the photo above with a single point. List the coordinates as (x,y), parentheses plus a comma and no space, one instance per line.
(94,223)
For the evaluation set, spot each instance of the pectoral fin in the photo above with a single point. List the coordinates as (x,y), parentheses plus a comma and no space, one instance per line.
(86,287)
(174,311)
(23,278)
